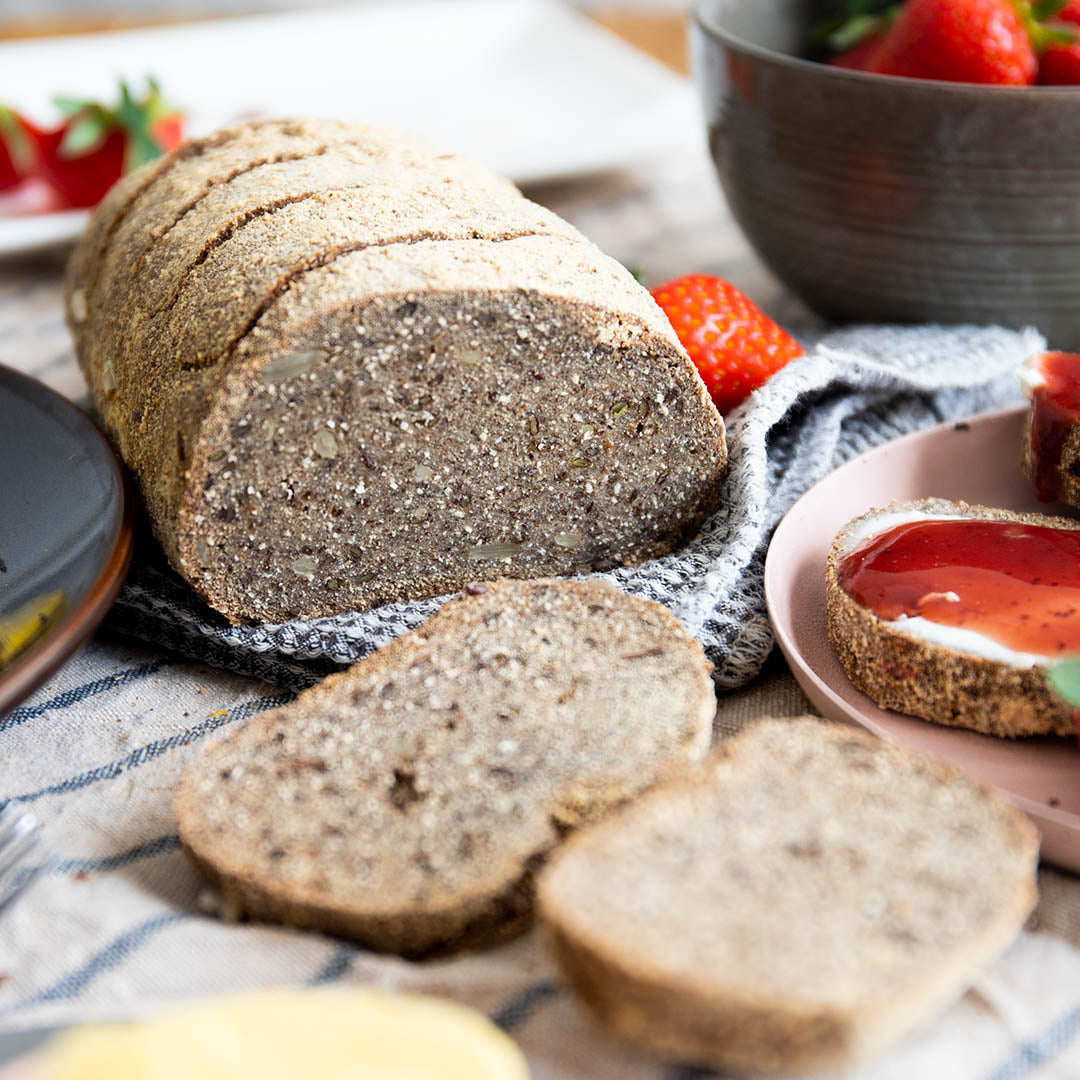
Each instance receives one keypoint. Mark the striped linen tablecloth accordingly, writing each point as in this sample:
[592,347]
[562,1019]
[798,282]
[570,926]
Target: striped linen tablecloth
[121,923]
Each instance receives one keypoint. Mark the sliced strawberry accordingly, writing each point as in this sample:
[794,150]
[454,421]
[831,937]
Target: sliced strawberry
[96,145]
[80,179]
[168,131]
[733,343]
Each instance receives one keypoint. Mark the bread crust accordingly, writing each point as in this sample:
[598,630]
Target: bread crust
[417,279]
[710,1015]
[931,681]
[493,899]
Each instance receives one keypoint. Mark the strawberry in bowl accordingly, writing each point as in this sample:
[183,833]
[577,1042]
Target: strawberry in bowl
[992,42]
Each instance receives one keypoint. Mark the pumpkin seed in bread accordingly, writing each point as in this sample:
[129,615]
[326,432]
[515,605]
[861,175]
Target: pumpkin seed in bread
[800,901]
[346,370]
[953,680]
[408,801]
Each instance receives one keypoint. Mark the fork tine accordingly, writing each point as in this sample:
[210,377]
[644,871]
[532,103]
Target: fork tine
[20,841]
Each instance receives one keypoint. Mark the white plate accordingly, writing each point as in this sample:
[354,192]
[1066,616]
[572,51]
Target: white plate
[532,89]
[977,462]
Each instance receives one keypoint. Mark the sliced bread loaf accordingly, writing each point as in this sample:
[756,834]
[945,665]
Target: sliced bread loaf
[953,674]
[347,369]
[800,901]
[408,801]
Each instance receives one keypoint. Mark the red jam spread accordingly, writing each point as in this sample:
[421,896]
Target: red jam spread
[1055,408]
[1017,584]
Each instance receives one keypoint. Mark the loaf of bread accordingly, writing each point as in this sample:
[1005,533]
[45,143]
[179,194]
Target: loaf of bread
[962,680]
[800,901]
[408,801]
[346,369]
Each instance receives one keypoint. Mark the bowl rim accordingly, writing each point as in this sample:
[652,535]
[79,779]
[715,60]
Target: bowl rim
[703,17]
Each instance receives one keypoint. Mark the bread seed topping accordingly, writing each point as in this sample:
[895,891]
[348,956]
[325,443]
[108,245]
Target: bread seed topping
[1015,584]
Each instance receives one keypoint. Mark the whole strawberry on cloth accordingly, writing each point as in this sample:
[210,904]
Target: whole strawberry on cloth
[734,345]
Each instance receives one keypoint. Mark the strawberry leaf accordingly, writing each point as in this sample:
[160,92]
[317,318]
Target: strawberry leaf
[1063,678]
[1046,9]
[13,136]
[852,21]
[854,30]
[84,135]
[135,118]
[69,106]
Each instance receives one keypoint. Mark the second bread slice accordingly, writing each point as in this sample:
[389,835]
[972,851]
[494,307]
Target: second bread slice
[801,901]
[408,801]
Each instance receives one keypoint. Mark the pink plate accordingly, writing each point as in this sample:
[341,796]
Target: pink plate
[976,461]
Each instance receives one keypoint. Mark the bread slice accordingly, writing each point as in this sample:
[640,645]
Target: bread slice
[347,369]
[408,801]
[800,901]
[1050,448]
[901,671]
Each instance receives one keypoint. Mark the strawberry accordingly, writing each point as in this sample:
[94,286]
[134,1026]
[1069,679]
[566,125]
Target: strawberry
[1059,64]
[733,343]
[857,57]
[975,41]
[95,145]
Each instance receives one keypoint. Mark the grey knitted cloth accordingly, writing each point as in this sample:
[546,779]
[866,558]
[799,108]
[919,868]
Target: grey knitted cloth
[855,389]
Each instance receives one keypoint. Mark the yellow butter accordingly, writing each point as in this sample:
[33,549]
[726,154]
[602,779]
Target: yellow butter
[334,1034]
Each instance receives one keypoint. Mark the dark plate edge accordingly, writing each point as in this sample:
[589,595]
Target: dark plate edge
[41,660]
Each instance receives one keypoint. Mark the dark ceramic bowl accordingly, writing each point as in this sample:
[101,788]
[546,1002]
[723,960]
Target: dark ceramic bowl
[887,199]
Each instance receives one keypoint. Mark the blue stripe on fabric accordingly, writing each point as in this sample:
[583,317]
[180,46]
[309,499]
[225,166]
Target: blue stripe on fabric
[1046,1046]
[155,749]
[104,863]
[81,693]
[158,846]
[525,1004]
[115,953]
[338,965]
